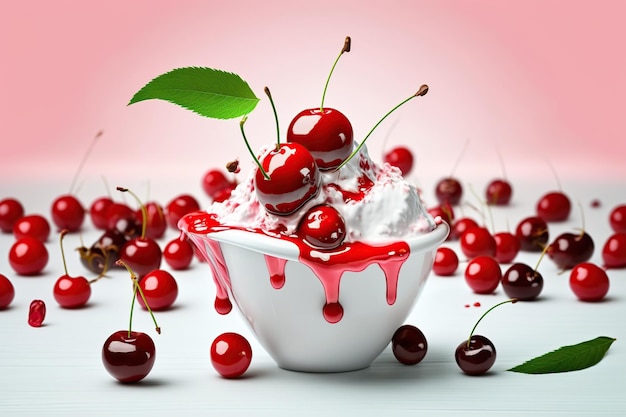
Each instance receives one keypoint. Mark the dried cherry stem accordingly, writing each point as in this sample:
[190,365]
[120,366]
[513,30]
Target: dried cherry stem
[144,211]
[258,163]
[421,92]
[469,339]
[346,48]
[138,289]
[85,156]
[269,95]
[543,253]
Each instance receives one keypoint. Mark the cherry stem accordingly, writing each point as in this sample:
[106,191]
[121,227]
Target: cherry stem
[421,92]
[137,288]
[269,95]
[458,159]
[243,133]
[346,48]
[582,217]
[484,204]
[543,253]
[144,211]
[556,177]
[502,167]
[61,235]
[85,156]
[469,339]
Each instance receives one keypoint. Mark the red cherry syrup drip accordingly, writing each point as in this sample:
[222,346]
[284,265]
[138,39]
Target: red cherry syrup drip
[364,185]
[327,265]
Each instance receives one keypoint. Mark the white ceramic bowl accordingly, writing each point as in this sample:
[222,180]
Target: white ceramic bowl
[288,321]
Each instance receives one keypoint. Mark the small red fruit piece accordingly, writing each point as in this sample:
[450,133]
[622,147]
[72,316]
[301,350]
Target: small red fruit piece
[216,185]
[7,292]
[446,262]
[68,213]
[28,256]
[409,345]
[294,179]
[10,211]
[178,253]
[33,225]
[589,282]
[323,227]
[98,211]
[532,234]
[400,157]
[478,241]
[617,219]
[554,207]
[36,313]
[178,207]
[231,355]
[614,251]
[160,290]
[507,247]
[128,356]
[498,192]
[449,190]
[483,274]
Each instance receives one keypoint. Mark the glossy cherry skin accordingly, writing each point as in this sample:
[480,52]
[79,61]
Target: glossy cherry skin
[72,292]
[68,213]
[323,227]
[178,207]
[294,179]
[33,225]
[7,292]
[446,262]
[554,207]
[157,224]
[215,184]
[36,313]
[10,211]
[498,192]
[160,289]
[477,358]
[617,219]
[326,134]
[522,282]
[449,190]
[178,253]
[589,282]
[231,355]
[98,212]
[28,256]
[483,274]
[142,255]
[532,234]
[507,247]
[477,241]
[400,157]
[614,251]
[460,226]
[409,345]
[122,218]
[570,249]
[128,358]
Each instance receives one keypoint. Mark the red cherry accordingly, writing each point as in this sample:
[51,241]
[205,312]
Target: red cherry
[499,192]
[36,313]
[28,256]
[532,234]
[617,219]
[400,157]
[522,282]
[10,211]
[477,357]
[570,249]
[160,290]
[614,251]
[215,185]
[323,227]
[7,292]
[70,292]
[142,255]
[483,274]
[128,356]
[445,211]
[178,253]
[326,133]
[33,225]
[98,211]
[446,262]
[231,355]
[589,282]
[554,207]
[120,217]
[478,241]
[449,190]
[68,213]
[409,345]
[178,207]
[507,247]
[460,226]
[294,179]
[155,229]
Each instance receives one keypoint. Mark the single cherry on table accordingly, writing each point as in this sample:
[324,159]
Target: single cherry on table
[446,262]
[70,292]
[28,256]
[231,355]
[178,253]
[409,345]
[483,274]
[614,251]
[589,282]
[499,192]
[532,233]
[554,206]
[33,225]
[160,290]
[478,241]
[7,292]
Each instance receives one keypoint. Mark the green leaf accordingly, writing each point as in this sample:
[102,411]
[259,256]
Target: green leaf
[568,358]
[206,91]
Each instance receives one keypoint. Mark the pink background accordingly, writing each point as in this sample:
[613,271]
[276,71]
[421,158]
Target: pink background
[542,83]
